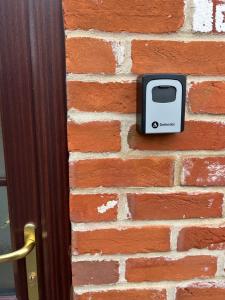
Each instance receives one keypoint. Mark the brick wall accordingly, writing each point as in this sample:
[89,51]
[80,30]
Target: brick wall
[147,212]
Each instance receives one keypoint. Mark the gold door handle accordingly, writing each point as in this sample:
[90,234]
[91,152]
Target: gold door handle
[28,251]
[29,243]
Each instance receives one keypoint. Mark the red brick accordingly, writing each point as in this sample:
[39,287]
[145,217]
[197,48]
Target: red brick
[196,58]
[102,97]
[203,133]
[175,206]
[85,208]
[209,171]
[201,237]
[89,55]
[207,97]
[148,294]
[161,269]
[152,171]
[144,16]
[95,272]
[210,292]
[94,136]
[131,240]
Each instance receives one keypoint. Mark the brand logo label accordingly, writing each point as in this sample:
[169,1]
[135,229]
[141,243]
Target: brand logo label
[167,124]
[155,124]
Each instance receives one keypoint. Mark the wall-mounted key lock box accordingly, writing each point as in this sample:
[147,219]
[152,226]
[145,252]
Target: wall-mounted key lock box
[161,103]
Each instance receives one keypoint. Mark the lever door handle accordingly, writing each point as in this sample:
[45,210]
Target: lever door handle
[28,251]
[29,243]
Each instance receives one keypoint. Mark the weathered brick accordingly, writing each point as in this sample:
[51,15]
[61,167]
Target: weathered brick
[131,240]
[95,272]
[89,55]
[94,136]
[209,171]
[143,16]
[161,269]
[92,55]
[93,208]
[175,206]
[203,133]
[152,171]
[201,237]
[207,291]
[147,294]
[196,58]
[207,97]
[102,97]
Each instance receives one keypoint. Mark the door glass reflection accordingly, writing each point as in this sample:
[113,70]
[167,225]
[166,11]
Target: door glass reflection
[2,163]
[6,271]
[7,286]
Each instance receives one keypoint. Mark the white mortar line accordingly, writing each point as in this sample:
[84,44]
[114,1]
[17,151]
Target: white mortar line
[126,36]
[122,270]
[83,117]
[126,64]
[174,255]
[125,127]
[205,117]
[123,213]
[138,154]
[175,230]
[188,13]
[169,190]
[145,285]
[121,78]
[220,264]
[171,293]
[132,224]
[223,207]
[177,170]
[102,78]
[197,79]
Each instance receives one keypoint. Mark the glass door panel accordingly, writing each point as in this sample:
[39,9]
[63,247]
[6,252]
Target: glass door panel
[2,161]
[7,285]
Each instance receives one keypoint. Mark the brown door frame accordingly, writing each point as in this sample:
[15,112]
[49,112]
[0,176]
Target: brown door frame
[33,111]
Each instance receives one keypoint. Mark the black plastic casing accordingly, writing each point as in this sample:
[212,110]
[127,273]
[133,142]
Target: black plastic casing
[142,82]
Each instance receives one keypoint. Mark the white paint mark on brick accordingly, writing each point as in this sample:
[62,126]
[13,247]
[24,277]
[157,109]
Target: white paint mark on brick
[220,18]
[203,16]
[210,203]
[210,284]
[119,52]
[188,165]
[98,2]
[216,172]
[199,180]
[219,246]
[206,269]
[105,207]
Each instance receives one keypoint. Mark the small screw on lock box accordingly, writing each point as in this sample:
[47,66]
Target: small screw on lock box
[161,103]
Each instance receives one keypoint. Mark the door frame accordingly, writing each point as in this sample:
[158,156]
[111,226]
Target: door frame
[33,112]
